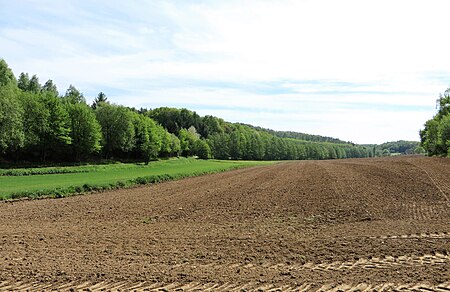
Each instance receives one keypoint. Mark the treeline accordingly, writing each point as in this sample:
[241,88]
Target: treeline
[37,123]
[299,136]
[239,141]
[435,137]
[400,147]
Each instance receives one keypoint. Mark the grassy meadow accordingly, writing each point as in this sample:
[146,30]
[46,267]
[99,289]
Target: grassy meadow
[64,181]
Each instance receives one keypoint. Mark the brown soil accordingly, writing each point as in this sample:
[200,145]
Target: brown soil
[330,225]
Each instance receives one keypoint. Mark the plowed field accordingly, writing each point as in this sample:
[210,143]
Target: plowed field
[367,224]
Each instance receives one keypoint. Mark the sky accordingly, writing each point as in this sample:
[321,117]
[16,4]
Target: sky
[359,70]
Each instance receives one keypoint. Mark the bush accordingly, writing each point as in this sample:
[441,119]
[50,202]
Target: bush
[39,171]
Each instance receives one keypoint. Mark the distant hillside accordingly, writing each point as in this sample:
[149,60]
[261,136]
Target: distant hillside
[242,141]
[299,136]
[400,147]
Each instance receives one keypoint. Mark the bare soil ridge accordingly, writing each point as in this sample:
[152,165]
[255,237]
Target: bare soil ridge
[359,224]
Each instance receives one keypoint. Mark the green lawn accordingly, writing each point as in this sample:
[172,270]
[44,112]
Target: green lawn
[97,177]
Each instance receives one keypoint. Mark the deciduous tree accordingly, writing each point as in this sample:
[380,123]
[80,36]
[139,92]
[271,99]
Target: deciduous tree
[85,131]
[11,120]
[117,128]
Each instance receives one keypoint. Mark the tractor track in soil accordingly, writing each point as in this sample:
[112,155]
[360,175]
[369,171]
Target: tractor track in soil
[197,286]
[357,224]
[440,183]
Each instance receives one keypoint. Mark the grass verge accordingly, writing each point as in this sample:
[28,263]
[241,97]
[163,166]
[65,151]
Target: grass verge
[66,181]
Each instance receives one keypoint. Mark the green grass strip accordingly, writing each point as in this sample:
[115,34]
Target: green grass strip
[83,179]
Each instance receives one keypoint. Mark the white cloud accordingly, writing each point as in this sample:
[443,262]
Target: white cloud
[294,65]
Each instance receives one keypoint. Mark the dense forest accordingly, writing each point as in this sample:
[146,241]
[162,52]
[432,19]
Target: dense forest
[37,123]
[435,137]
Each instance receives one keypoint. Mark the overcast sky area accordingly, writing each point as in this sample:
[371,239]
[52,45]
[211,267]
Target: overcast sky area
[361,71]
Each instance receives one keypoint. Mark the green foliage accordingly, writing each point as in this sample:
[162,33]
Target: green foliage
[41,171]
[239,141]
[46,124]
[246,143]
[117,128]
[166,143]
[34,85]
[34,119]
[219,144]
[298,136]
[435,137]
[394,148]
[419,150]
[11,112]
[7,77]
[175,145]
[444,104]
[147,138]
[237,144]
[202,149]
[444,134]
[74,96]
[101,97]
[187,141]
[37,124]
[85,131]
[23,82]
[210,125]
[175,119]
[57,130]
[50,87]
[40,125]
[11,126]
